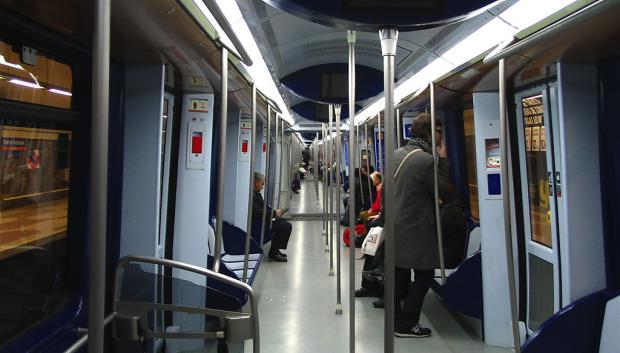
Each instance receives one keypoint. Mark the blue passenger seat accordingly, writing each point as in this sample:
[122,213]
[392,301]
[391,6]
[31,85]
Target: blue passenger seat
[233,250]
[462,290]
[589,325]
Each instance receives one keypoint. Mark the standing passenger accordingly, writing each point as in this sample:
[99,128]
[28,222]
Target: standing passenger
[280,228]
[414,229]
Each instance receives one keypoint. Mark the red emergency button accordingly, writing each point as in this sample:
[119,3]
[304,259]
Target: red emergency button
[196,142]
[244,146]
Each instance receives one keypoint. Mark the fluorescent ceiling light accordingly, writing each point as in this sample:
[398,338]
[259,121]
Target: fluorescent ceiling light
[259,71]
[526,13]
[25,83]
[519,16]
[6,63]
[59,91]
[220,32]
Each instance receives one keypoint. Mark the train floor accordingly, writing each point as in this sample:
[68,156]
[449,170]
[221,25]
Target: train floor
[297,301]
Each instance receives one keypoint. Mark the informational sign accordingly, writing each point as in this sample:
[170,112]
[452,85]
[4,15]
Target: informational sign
[198,105]
[245,138]
[345,143]
[407,125]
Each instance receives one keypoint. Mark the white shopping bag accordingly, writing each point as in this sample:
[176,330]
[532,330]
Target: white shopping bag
[372,241]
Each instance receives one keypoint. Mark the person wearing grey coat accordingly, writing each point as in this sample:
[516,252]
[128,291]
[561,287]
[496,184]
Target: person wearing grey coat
[415,232]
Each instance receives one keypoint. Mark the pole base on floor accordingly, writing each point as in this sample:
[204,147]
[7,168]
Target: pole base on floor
[326,248]
[331,273]
[339,309]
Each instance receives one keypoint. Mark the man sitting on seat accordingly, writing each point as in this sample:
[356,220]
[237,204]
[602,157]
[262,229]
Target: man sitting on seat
[280,228]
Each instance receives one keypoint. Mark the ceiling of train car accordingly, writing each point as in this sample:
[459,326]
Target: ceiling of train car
[290,44]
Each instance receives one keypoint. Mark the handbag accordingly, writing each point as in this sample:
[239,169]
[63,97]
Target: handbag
[372,241]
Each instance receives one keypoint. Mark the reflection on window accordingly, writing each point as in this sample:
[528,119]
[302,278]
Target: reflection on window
[470,157]
[536,162]
[47,82]
[34,188]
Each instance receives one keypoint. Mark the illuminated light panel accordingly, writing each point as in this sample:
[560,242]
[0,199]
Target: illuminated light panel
[259,71]
[59,91]
[519,16]
[6,63]
[25,83]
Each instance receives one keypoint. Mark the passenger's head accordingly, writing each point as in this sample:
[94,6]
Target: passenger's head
[422,128]
[259,181]
[376,178]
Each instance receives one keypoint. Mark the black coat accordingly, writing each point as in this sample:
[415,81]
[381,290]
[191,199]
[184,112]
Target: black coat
[415,230]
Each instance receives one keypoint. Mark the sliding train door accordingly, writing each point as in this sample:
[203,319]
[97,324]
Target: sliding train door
[537,121]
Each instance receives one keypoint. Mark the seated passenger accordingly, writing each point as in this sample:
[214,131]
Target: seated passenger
[280,228]
[376,205]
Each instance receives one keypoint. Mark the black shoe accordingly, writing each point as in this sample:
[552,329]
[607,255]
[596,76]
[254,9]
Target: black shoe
[363,292]
[415,331]
[379,304]
[277,257]
[282,254]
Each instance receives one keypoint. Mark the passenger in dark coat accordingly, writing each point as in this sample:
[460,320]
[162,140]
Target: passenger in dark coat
[280,228]
[414,229]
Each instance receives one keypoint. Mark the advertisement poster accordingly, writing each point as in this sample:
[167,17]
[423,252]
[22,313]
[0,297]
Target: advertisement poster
[407,124]
[542,144]
[536,138]
[34,159]
[528,139]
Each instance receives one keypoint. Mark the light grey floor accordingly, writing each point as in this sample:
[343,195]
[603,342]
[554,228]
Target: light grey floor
[297,302]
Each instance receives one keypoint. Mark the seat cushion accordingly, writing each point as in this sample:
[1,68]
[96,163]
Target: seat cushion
[610,338]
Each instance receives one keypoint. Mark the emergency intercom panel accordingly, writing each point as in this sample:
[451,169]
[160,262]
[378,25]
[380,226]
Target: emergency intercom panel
[196,143]
[245,139]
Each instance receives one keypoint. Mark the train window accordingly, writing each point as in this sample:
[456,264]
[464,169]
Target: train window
[46,82]
[34,189]
[470,158]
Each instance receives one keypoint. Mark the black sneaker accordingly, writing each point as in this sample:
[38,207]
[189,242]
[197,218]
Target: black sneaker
[277,257]
[282,254]
[416,331]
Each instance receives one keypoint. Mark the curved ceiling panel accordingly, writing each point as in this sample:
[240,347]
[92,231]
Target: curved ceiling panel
[329,83]
[320,112]
[370,15]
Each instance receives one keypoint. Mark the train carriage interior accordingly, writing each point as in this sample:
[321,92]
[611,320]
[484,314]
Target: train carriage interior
[193,176]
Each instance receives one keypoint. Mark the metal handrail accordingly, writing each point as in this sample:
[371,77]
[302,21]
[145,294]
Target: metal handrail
[84,338]
[226,27]
[195,269]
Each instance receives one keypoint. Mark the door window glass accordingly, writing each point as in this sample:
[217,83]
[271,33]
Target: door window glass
[470,157]
[536,167]
[34,189]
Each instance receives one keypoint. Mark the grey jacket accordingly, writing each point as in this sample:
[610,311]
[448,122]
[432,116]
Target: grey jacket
[415,230]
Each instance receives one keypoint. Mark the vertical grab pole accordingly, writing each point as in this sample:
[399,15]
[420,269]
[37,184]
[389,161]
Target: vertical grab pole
[99,175]
[337,110]
[367,161]
[504,145]
[315,162]
[389,37]
[251,188]
[352,162]
[222,163]
[267,148]
[436,188]
[325,193]
[331,191]
[381,144]
[276,187]
[399,131]
[281,163]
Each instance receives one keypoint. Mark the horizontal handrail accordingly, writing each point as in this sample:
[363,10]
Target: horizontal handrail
[82,341]
[195,269]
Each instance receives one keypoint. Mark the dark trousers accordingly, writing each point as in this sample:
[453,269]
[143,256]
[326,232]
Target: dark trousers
[374,287]
[409,314]
[281,230]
